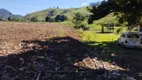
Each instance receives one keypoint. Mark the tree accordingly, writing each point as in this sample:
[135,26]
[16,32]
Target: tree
[34,19]
[60,18]
[10,17]
[79,17]
[48,19]
[78,22]
[129,11]
[52,13]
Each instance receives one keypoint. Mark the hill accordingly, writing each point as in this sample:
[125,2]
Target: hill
[70,12]
[5,13]
[52,12]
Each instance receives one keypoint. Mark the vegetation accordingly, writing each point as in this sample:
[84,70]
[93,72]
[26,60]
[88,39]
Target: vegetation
[55,51]
[10,17]
[48,19]
[53,12]
[79,21]
[60,18]
[97,37]
[34,19]
[126,11]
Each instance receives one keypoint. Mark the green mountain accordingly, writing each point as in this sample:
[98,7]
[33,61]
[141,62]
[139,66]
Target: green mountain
[52,12]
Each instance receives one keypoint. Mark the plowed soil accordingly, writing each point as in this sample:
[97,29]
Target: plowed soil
[13,33]
[46,51]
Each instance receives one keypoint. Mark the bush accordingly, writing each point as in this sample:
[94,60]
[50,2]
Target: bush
[34,19]
[60,18]
[78,22]
[49,19]
[16,19]
[79,17]
[9,18]
[80,25]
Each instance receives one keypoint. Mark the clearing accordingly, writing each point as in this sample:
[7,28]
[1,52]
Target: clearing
[47,51]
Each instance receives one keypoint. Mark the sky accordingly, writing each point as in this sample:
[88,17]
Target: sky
[24,7]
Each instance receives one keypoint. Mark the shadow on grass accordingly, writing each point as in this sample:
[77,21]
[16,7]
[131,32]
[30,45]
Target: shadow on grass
[127,58]
[55,59]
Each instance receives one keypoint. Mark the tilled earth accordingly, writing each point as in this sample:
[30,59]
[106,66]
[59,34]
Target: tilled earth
[13,33]
[43,51]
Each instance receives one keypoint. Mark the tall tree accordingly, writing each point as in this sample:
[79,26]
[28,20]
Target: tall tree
[10,17]
[129,11]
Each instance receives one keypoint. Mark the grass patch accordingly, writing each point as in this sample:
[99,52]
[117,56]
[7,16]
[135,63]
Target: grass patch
[98,37]
[103,40]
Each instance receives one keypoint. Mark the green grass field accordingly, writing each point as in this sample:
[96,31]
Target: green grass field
[103,40]
[99,39]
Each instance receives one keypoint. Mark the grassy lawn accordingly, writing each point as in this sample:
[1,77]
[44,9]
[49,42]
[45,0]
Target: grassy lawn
[99,39]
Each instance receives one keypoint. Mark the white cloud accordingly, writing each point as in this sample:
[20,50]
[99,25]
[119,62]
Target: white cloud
[84,4]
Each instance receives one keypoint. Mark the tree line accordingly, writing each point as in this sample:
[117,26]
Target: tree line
[58,18]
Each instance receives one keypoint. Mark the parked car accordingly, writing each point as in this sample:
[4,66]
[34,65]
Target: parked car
[131,40]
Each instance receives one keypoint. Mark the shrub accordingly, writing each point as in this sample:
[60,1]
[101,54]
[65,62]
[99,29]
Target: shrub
[79,17]
[34,19]
[60,18]
[80,25]
[49,19]
[79,22]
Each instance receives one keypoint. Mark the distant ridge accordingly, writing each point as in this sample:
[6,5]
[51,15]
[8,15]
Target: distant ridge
[52,12]
[5,14]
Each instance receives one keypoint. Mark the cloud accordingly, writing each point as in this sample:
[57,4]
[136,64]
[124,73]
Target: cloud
[84,4]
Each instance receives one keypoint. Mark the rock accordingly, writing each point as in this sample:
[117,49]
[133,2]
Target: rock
[89,63]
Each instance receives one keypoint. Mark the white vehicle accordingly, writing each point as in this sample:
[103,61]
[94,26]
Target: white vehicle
[131,40]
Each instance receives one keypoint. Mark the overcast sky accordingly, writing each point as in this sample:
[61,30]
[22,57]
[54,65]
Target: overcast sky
[24,7]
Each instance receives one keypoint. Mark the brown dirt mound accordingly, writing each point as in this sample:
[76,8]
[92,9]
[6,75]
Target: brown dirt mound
[13,33]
